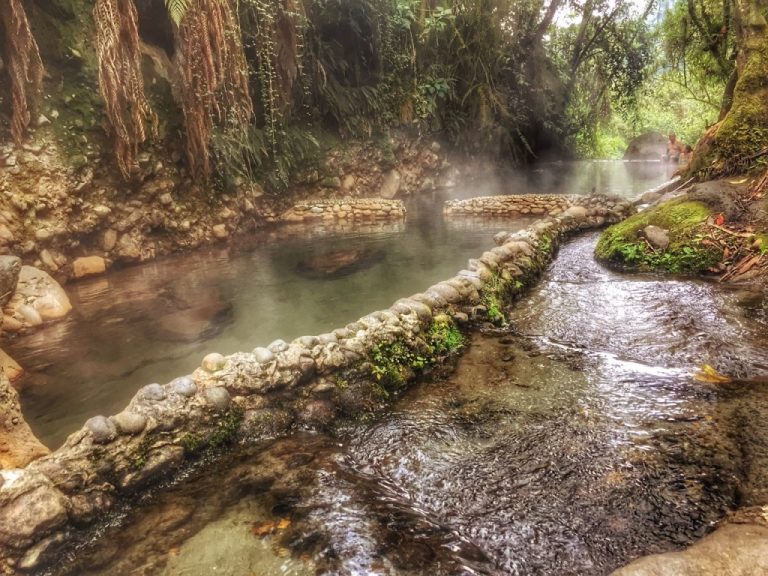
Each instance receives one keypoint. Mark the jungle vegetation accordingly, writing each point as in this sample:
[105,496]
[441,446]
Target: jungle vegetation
[255,81]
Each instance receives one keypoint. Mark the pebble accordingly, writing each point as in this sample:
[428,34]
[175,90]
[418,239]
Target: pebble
[129,422]
[213,362]
[154,392]
[263,355]
[278,346]
[218,397]
[102,429]
[183,386]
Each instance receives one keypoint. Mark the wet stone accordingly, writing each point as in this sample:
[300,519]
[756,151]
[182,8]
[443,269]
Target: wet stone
[278,346]
[263,355]
[218,397]
[183,386]
[129,422]
[153,392]
[32,514]
[102,429]
[213,362]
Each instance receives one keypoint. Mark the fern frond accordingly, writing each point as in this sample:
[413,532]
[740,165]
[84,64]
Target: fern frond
[177,9]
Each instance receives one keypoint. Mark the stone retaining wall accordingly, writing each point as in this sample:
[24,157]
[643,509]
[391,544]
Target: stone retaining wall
[254,395]
[530,205]
[345,209]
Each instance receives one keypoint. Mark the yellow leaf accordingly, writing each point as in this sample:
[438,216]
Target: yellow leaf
[737,181]
[284,523]
[709,374]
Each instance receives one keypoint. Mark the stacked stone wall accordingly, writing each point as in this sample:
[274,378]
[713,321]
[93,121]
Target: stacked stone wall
[252,396]
[345,209]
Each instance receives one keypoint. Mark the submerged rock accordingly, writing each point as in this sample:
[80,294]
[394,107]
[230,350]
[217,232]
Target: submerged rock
[733,550]
[338,263]
[41,293]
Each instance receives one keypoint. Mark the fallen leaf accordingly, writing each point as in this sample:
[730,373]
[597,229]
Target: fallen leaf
[284,523]
[737,181]
[263,529]
[708,374]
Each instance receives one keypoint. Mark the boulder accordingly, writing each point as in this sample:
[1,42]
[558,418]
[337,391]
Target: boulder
[10,266]
[18,445]
[88,266]
[648,146]
[41,293]
[391,184]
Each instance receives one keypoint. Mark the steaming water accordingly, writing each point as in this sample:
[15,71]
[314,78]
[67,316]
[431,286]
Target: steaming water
[154,322]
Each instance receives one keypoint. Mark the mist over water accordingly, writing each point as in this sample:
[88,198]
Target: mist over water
[154,322]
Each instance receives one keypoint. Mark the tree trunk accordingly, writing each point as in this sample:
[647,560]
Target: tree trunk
[743,131]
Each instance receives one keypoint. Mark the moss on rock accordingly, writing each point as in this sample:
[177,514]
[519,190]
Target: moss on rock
[623,244]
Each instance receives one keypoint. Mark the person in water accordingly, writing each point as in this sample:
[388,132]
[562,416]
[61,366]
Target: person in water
[674,149]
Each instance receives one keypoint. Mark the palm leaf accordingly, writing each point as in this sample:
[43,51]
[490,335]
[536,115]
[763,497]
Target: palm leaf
[177,9]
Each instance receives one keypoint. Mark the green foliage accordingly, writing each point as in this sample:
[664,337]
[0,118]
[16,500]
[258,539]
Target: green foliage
[391,364]
[493,295]
[444,337]
[394,363]
[249,154]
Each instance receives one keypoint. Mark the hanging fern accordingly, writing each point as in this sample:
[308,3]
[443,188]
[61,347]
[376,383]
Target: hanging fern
[177,9]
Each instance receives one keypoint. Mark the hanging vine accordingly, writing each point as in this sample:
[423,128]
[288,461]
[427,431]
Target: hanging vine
[214,77]
[120,78]
[25,68]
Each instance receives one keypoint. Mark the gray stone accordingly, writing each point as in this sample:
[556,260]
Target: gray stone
[263,355]
[658,237]
[10,266]
[109,239]
[31,515]
[308,341]
[153,392]
[183,386]
[218,397]
[500,237]
[129,422]
[102,429]
[278,346]
[213,362]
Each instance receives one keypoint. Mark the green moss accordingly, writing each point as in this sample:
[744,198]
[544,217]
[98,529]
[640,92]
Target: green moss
[444,337]
[224,433]
[393,364]
[623,243]
[139,457]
